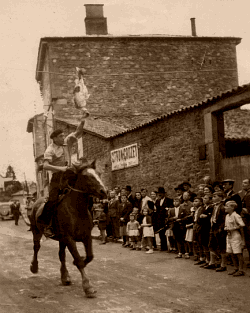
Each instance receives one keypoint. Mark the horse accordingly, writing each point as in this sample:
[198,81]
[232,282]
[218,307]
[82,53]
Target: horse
[72,221]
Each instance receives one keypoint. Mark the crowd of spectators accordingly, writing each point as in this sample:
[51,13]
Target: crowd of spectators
[211,224]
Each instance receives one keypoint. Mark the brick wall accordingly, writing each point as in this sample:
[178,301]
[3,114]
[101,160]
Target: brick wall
[97,148]
[166,74]
[168,153]
[94,148]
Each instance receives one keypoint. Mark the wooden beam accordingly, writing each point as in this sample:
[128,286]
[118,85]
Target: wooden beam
[232,102]
[211,122]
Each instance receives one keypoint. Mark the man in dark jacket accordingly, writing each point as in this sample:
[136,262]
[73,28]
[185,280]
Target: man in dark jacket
[129,195]
[15,210]
[231,195]
[162,204]
[245,213]
[124,209]
[113,215]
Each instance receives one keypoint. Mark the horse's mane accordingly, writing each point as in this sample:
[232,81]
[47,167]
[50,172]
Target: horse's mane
[70,176]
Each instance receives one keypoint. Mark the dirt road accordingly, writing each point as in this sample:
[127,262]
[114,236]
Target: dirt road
[126,281]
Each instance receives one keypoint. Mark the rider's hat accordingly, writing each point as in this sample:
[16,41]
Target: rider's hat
[55,133]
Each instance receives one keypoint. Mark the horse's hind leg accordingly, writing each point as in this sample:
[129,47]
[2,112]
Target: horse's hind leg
[65,278]
[36,240]
[80,264]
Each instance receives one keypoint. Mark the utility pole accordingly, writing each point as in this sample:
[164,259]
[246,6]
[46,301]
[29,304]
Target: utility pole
[26,184]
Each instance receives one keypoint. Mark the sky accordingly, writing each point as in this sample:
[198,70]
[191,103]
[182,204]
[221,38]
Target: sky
[24,22]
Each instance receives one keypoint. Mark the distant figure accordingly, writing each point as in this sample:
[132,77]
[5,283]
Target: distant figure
[29,205]
[15,211]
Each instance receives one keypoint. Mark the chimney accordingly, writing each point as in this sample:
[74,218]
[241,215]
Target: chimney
[193,27]
[95,23]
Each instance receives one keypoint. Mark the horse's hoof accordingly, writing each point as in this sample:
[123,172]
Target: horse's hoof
[66,282]
[90,292]
[34,268]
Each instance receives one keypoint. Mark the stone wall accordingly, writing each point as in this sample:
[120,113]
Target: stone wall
[98,148]
[168,153]
[165,74]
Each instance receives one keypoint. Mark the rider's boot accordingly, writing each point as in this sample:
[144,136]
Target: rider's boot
[48,231]
[47,218]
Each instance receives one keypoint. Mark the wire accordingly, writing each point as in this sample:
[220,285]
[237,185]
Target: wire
[124,74]
[119,74]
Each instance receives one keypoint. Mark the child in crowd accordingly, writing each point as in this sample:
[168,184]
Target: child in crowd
[176,218]
[124,209]
[198,249]
[205,223]
[133,231]
[217,240]
[96,208]
[101,220]
[138,218]
[170,220]
[189,233]
[235,237]
[148,231]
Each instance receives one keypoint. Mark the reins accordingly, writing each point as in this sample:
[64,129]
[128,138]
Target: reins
[77,190]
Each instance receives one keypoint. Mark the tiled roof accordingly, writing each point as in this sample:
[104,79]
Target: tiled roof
[96,126]
[237,137]
[209,101]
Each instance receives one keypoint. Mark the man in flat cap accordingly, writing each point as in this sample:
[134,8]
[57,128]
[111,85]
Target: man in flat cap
[57,158]
[231,195]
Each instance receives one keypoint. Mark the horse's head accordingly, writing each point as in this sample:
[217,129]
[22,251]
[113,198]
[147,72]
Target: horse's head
[87,180]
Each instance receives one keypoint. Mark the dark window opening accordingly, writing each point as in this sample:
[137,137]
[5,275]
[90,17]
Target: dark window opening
[237,147]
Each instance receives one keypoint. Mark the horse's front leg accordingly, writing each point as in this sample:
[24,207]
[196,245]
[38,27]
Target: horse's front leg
[36,241]
[80,264]
[87,241]
[65,278]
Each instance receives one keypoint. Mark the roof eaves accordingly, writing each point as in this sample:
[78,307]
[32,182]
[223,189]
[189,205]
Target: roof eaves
[40,59]
[138,37]
[86,130]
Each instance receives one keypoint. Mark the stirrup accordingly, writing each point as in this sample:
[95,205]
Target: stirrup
[48,232]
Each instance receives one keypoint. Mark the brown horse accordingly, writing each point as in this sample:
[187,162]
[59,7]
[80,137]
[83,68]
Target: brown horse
[72,221]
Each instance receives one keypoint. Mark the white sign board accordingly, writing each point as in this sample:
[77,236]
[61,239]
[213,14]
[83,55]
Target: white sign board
[124,157]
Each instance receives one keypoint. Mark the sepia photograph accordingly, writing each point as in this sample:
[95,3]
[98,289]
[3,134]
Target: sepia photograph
[125,156]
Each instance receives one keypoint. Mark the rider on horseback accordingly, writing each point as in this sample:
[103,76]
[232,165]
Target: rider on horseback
[57,158]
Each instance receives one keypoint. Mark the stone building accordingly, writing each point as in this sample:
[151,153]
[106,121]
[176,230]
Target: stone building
[135,85]
[132,79]
[185,144]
